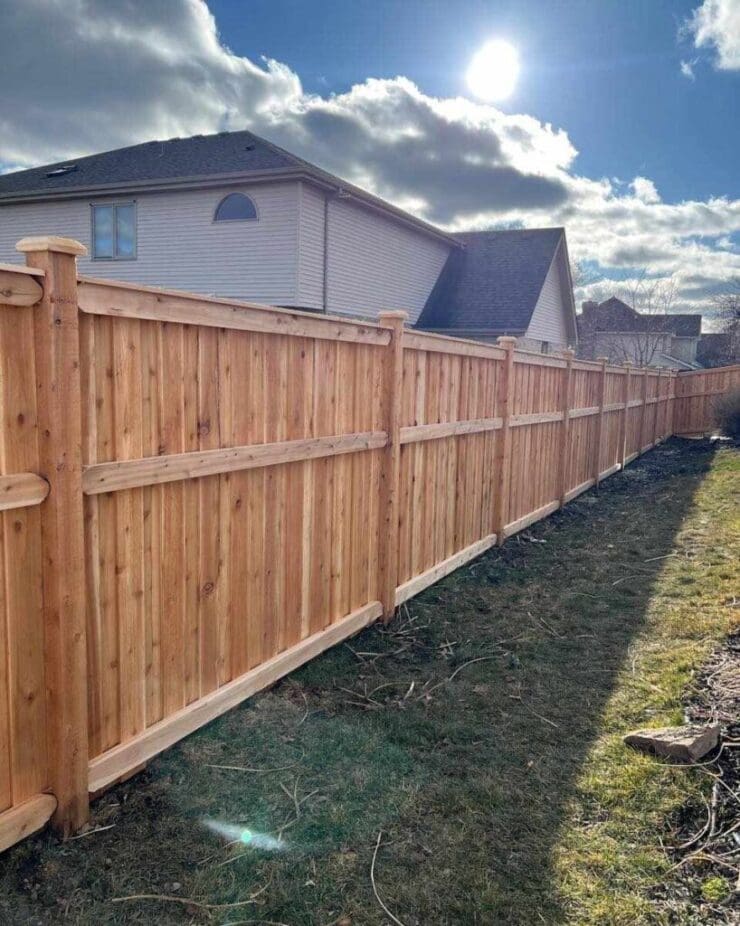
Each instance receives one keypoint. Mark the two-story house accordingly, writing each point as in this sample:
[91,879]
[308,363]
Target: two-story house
[234,215]
[615,330]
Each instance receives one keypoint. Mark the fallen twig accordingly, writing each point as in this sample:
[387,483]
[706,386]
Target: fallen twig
[100,829]
[470,662]
[539,716]
[256,771]
[207,908]
[375,888]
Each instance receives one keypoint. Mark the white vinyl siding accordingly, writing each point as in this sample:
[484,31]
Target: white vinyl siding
[178,244]
[683,348]
[311,248]
[548,322]
[376,263]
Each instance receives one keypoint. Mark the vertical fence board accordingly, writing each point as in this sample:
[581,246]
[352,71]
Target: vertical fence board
[21,530]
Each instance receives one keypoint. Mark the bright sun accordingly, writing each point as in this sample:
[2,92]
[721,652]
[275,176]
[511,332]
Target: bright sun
[494,70]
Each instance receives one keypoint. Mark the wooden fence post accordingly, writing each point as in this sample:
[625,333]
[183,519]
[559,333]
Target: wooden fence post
[625,414]
[503,447]
[565,403]
[391,469]
[643,410]
[600,421]
[57,348]
[659,410]
[672,416]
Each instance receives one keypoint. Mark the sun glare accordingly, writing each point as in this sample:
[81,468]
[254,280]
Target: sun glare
[494,70]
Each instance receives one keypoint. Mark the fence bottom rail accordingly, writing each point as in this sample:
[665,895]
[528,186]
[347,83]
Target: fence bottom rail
[26,818]
[112,765]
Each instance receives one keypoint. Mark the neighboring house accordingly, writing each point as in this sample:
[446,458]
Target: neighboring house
[515,282]
[233,215]
[615,330]
[721,349]
[230,215]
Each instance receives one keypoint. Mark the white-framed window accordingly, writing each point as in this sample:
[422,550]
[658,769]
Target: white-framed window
[545,347]
[235,207]
[113,231]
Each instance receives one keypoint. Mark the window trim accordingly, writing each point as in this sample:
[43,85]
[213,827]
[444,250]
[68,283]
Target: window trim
[115,204]
[254,218]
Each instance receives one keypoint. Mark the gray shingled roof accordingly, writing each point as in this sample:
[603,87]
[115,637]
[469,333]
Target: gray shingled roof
[226,157]
[493,283]
[615,315]
[229,152]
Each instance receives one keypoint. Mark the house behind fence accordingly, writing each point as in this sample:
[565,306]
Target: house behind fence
[234,215]
[615,330]
[200,495]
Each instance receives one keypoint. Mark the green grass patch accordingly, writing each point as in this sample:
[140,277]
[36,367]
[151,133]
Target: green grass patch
[504,794]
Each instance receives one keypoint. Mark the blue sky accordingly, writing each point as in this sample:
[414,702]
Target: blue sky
[624,126]
[608,71]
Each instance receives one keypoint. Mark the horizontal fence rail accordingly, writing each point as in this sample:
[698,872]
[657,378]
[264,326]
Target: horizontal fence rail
[211,493]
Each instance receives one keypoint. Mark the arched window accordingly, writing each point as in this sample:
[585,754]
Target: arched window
[236,207]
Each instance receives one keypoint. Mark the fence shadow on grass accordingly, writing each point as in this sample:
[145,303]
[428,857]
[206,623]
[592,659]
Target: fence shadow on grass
[506,741]
[469,777]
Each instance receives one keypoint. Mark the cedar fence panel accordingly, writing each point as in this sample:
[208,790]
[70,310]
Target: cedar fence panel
[696,393]
[245,487]
[24,766]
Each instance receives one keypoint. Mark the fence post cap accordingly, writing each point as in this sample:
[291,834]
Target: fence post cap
[51,243]
[569,353]
[602,360]
[506,341]
[627,363]
[390,314]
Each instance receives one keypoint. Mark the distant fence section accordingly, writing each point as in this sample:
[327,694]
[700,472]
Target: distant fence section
[696,394]
[200,495]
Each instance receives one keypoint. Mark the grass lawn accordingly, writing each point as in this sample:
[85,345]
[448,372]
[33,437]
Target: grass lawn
[479,734]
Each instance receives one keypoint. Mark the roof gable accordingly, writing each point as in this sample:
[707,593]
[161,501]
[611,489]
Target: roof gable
[494,282]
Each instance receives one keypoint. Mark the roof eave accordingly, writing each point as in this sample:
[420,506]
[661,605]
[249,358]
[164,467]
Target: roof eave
[319,179]
[477,332]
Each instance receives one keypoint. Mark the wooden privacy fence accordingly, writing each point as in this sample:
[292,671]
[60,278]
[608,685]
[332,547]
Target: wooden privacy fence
[200,495]
[696,394]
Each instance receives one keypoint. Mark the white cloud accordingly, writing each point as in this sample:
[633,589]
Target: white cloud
[105,75]
[644,190]
[716,24]
[687,69]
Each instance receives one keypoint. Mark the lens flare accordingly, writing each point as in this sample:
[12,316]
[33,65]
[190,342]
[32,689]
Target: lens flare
[247,837]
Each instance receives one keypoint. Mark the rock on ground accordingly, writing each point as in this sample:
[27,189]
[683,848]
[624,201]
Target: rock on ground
[687,743]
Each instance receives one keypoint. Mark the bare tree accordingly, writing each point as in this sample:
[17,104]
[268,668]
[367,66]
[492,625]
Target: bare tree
[582,275]
[727,304]
[652,298]
[727,311]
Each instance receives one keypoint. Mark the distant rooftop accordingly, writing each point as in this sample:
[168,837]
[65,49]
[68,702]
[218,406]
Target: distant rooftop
[615,315]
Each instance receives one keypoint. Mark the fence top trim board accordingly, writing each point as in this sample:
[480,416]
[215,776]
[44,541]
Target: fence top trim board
[130,300]
[544,360]
[729,369]
[441,343]
[21,268]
